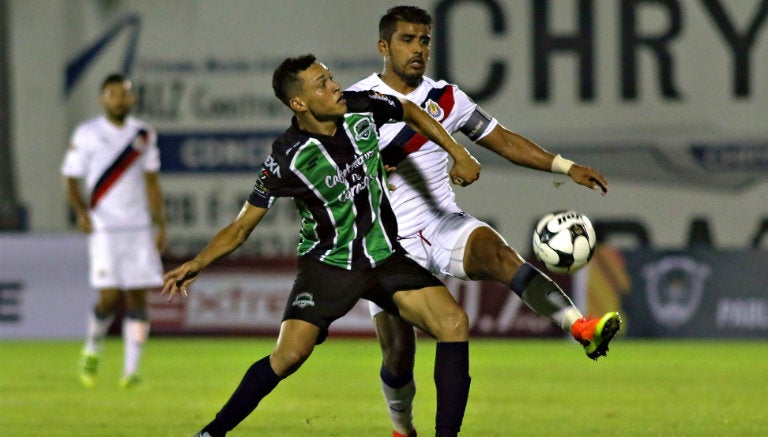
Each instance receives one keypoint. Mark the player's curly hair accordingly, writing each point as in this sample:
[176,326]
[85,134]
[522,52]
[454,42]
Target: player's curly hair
[409,14]
[285,79]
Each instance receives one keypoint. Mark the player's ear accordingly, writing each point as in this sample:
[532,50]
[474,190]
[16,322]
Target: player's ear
[383,47]
[297,104]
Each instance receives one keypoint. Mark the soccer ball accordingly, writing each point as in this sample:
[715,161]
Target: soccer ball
[564,241]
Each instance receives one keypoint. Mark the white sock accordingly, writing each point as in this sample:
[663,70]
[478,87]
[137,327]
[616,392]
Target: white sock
[95,333]
[400,403]
[135,333]
[567,316]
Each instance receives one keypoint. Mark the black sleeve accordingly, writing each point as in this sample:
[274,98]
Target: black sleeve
[262,195]
[385,108]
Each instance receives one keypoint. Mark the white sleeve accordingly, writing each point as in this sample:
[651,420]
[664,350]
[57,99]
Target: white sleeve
[152,154]
[74,164]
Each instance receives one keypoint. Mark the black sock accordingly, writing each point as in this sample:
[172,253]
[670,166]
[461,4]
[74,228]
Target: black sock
[258,382]
[99,315]
[137,314]
[395,381]
[539,292]
[452,382]
[522,277]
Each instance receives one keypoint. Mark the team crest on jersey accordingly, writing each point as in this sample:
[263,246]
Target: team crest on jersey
[363,130]
[434,109]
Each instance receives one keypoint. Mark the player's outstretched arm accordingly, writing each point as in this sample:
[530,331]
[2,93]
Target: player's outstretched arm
[225,241]
[465,168]
[524,152]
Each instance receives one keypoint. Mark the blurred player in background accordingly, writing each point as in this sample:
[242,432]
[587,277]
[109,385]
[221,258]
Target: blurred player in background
[433,229]
[329,162]
[117,157]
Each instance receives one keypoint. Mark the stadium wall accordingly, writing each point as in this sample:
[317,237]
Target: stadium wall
[668,99]
[699,293]
[44,293]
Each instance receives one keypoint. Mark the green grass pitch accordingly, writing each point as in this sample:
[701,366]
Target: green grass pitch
[519,388]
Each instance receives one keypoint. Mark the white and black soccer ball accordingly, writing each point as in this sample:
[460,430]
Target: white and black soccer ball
[564,241]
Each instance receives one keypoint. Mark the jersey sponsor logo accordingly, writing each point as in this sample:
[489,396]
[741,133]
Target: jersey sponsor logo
[303,300]
[350,175]
[347,171]
[271,165]
[382,97]
[260,186]
[293,147]
[360,186]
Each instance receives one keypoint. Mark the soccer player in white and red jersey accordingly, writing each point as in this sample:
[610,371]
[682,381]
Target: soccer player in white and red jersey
[433,229]
[116,156]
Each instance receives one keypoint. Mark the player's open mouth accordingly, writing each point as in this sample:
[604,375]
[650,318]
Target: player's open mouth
[416,63]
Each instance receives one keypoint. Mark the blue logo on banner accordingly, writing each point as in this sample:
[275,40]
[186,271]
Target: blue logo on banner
[737,157]
[215,152]
[77,67]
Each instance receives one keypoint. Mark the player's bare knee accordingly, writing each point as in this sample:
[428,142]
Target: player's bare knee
[492,258]
[453,325]
[285,362]
[509,262]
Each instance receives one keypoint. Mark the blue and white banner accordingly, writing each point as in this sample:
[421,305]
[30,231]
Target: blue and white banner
[215,152]
[682,294]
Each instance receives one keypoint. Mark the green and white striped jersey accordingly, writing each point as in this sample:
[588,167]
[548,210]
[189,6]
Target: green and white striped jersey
[338,184]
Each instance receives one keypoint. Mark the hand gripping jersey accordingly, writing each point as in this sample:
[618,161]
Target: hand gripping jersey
[112,160]
[338,184]
[422,185]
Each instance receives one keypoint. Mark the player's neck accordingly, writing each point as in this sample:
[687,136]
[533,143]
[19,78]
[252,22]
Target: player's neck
[312,125]
[397,83]
[116,121]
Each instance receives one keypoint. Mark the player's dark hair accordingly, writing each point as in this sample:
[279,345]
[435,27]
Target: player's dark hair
[409,14]
[286,79]
[112,79]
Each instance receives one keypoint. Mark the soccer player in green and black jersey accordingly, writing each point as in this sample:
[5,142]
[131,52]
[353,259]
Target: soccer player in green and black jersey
[329,162]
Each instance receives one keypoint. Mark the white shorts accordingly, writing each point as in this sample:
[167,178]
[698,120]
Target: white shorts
[126,260]
[439,247]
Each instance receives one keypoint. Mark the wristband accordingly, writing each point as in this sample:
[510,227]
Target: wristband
[561,165]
